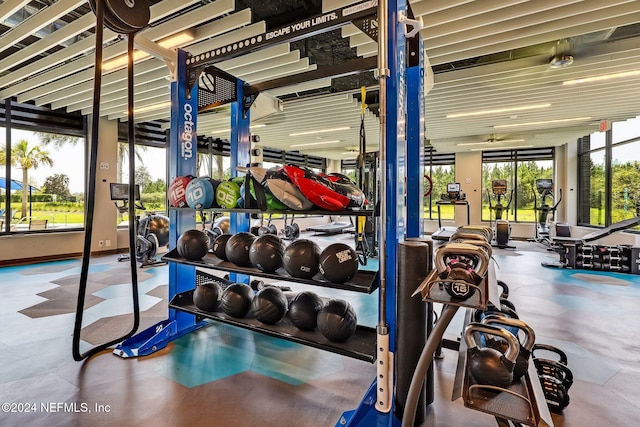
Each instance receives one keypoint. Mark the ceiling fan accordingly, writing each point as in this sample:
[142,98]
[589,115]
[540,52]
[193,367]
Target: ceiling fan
[492,139]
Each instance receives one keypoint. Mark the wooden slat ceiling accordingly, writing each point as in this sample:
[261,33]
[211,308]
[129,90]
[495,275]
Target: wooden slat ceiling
[485,54]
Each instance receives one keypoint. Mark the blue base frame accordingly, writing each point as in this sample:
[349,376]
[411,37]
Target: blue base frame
[153,339]
[366,415]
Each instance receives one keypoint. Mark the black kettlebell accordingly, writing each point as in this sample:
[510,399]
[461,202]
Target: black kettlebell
[489,366]
[460,279]
[555,393]
[522,362]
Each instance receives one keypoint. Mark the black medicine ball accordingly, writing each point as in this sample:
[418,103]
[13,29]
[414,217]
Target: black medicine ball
[237,248]
[338,263]
[236,300]
[266,253]
[219,245]
[304,309]
[301,258]
[207,296]
[269,305]
[337,320]
[193,244]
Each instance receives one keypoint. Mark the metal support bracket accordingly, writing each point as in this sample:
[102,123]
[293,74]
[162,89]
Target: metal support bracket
[384,373]
[170,57]
[415,24]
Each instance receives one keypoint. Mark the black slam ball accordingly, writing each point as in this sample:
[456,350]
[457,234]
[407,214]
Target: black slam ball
[219,245]
[337,320]
[338,263]
[207,295]
[237,248]
[266,253]
[304,309]
[236,300]
[269,305]
[193,244]
[301,258]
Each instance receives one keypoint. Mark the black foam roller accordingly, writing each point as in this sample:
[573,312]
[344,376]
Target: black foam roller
[414,259]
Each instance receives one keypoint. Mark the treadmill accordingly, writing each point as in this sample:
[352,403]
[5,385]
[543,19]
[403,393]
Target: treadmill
[453,196]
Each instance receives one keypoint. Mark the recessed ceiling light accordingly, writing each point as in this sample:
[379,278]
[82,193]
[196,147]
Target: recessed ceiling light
[544,122]
[498,110]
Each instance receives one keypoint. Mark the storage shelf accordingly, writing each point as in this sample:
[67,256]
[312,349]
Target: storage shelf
[354,212]
[361,345]
[364,281]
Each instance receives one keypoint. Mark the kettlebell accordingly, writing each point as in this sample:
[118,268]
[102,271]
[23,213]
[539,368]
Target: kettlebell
[489,366]
[459,282]
[522,362]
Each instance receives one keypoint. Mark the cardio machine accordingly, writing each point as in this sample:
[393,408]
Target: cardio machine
[546,211]
[502,228]
[152,231]
[453,196]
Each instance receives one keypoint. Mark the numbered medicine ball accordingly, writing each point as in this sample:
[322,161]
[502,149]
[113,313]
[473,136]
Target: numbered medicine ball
[227,194]
[193,244]
[177,191]
[237,248]
[207,296]
[338,263]
[200,193]
[304,309]
[301,258]
[266,253]
[236,300]
[269,305]
[337,320]
[219,246]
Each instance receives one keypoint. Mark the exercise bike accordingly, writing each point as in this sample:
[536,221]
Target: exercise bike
[152,231]
[502,228]
[546,211]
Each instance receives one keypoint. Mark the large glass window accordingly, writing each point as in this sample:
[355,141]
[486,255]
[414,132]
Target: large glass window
[520,169]
[47,192]
[609,165]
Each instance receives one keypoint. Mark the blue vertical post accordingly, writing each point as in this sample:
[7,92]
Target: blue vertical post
[415,140]
[240,151]
[396,103]
[182,154]
[393,97]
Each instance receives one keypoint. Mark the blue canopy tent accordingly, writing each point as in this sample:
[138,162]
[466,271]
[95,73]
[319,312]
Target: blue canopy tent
[14,186]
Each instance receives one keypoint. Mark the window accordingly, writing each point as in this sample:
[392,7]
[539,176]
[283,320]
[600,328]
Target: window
[520,169]
[44,189]
[440,167]
[151,172]
[609,165]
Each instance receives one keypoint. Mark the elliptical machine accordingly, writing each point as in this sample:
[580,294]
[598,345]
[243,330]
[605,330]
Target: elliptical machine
[152,231]
[502,228]
[546,211]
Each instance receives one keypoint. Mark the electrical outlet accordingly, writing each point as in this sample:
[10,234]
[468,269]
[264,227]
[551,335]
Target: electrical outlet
[104,166]
[100,243]
[107,243]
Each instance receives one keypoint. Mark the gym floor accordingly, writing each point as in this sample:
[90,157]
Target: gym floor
[225,376]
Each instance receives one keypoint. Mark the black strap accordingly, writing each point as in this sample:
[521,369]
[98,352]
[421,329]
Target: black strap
[91,186]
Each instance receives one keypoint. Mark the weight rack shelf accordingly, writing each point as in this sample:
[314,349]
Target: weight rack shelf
[361,345]
[355,212]
[523,402]
[364,281]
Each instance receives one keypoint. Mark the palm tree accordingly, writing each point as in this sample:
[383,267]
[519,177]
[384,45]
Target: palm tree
[25,157]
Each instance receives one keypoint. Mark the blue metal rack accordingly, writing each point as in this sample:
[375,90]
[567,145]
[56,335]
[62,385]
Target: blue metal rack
[402,158]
